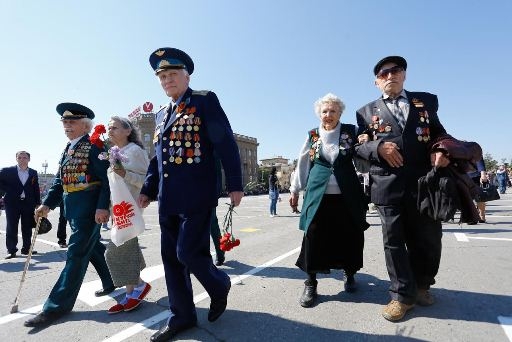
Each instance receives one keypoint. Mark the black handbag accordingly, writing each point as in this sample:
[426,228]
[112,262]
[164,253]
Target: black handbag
[487,192]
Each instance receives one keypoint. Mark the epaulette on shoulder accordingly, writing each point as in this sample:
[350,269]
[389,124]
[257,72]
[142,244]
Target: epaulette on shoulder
[200,92]
[163,108]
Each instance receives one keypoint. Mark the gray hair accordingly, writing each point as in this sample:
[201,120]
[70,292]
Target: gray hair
[134,136]
[328,98]
[88,124]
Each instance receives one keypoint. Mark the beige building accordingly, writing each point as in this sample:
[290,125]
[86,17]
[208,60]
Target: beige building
[284,170]
[144,117]
[248,147]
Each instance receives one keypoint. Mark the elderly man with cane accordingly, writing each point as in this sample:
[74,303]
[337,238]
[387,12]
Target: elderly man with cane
[83,186]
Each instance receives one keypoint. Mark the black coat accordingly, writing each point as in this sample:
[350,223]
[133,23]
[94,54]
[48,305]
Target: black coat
[389,184]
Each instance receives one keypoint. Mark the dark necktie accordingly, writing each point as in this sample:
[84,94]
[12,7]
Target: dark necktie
[170,115]
[397,112]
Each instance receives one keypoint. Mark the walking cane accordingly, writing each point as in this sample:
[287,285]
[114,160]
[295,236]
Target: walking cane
[27,262]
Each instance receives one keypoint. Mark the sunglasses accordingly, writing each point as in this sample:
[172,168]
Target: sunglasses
[393,71]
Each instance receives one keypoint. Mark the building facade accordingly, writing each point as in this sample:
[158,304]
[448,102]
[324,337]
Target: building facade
[284,170]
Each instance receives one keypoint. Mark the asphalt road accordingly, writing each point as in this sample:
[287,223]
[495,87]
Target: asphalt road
[473,290]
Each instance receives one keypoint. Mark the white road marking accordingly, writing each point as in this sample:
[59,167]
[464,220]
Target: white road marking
[20,314]
[501,216]
[506,324]
[461,237]
[464,238]
[145,324]
[488,238]
[54,244]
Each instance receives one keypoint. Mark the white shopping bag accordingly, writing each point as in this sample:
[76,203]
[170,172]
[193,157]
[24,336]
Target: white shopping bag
[127,221]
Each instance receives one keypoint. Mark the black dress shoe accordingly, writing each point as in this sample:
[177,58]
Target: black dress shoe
[309,295]
[218,306]
[10,255]
[481,221]
[26,252]
[63,244]
[42,318]
[350,283]
[219,261]
[167,332]
[104,292]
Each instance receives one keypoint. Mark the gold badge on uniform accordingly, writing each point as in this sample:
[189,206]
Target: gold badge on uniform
[417,103]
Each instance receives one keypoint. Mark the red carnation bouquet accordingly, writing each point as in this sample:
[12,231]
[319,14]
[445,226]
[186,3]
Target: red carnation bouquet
[113,154]
[227,240]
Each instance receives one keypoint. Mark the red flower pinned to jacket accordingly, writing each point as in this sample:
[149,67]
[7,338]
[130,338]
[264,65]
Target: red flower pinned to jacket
[227,240]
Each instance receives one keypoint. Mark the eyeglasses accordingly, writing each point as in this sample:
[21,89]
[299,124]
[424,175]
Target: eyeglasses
[393,71]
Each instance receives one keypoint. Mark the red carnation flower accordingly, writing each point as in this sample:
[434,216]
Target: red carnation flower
[227,240]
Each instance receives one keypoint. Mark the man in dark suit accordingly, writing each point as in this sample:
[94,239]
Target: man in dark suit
[395,134]
[21,186]
[83,186]
[183,179]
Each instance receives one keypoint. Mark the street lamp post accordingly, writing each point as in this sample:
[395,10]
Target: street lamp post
[45,166]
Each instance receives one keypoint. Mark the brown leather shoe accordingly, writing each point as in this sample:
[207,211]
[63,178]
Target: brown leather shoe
[395,310]
[424,297]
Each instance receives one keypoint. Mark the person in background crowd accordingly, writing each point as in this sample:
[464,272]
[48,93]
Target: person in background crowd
[21,187]
[395,132]
[479,176]
[86,202]
[333,215]
[502,177]
[190,134]
[293,205]
[61,228]
[273,191]
[220,255]
[126,261]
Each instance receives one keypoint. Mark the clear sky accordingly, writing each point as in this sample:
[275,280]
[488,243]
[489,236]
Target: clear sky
[267,60]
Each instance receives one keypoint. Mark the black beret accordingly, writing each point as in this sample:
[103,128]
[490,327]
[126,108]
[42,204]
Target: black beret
[398,60]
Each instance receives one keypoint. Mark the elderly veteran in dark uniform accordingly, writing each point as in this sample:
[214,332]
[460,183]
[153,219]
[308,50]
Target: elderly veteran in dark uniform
[83,186]
[183,179]
[396,132]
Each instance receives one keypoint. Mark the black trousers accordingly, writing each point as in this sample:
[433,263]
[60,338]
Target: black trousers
[412,248]
[23,211]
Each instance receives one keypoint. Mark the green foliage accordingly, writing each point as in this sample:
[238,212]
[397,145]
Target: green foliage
[490,162]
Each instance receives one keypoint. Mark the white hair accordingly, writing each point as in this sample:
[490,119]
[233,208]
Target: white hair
[88,123]
[328,98]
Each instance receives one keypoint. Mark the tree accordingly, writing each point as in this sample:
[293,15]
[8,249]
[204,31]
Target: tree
[490,162]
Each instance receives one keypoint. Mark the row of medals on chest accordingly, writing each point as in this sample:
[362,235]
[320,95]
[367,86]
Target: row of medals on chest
[422,131]
[79,159]
[186,128]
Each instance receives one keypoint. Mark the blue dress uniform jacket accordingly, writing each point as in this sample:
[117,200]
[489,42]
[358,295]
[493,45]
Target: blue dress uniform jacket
[15,208]
[422,126]
[184,163]
[82,184]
